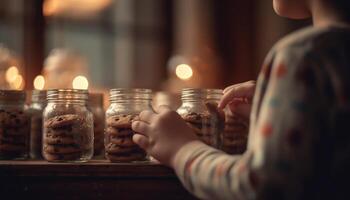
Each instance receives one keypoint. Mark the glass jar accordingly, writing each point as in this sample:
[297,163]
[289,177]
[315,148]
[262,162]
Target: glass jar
[14,125]
[199,110]
[68,130]
[35,112]
[95,105]
[235,136]
[126,105]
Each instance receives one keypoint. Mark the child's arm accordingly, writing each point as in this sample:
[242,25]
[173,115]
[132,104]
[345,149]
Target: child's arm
[279,158]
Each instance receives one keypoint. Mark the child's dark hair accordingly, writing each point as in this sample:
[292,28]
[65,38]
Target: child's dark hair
[343,6]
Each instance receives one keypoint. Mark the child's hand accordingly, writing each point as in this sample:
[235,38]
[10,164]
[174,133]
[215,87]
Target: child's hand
[162,134]
[239,98]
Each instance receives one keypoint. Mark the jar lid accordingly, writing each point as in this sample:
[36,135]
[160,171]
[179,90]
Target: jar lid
[13,95]
[39,95]
[200,93]
[123,94]
[73,95]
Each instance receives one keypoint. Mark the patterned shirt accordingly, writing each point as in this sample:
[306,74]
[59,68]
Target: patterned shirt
[299,137]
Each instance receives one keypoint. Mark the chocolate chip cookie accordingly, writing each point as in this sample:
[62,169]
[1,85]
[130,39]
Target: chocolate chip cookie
[67,138]
[14,134]
[207,127]
[119,146]
[235,134]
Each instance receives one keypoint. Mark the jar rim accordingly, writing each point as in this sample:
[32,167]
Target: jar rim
[67,94]
[201,93]
[13,95]
[39,95]
[123,94]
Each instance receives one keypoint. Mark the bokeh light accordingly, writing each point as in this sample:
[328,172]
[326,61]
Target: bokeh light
[184,71]
[80,82]
[39,82]
[11,74]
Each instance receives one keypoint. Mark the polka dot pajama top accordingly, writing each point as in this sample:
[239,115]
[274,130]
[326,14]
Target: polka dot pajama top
[299,137]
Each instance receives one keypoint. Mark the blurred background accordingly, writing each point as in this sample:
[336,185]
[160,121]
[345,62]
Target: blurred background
[164,45]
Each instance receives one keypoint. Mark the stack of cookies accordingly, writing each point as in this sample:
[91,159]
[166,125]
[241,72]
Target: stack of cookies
[235,134]
[67,138]
[205,126]
[14,134]
[119,146]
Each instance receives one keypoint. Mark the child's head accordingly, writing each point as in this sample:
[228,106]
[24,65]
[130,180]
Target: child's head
[301,9]
[295,9]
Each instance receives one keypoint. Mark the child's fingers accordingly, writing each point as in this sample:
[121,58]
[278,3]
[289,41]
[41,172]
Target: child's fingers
[141,140]
[241,109]
[230,87]
[140,127]
[229,96]
[147,116]
[243,91]
[163,108]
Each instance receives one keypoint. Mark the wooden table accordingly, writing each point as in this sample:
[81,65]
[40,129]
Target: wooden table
[92,180]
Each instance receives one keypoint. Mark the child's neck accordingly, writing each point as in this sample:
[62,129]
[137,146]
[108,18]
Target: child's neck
[323,15]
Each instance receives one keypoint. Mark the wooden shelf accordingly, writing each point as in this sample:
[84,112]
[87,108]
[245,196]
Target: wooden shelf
[89,169]
[91,180]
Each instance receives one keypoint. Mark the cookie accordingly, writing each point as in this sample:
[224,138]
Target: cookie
[13,139]
[7,147]
[60,140]
[62,121]
[195,128]
[235,136]
[121,121]
[111,131]
[61,149]
[114,148]
[17,131]
[64,132]
[234,149]
[122,141]
[236,128]
[193,118]
[215,112]
[13,118]
[235,120]
[126,158]
[61,157]
[230,143]
[209,140]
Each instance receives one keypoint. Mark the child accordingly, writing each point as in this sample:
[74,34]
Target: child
[299,140]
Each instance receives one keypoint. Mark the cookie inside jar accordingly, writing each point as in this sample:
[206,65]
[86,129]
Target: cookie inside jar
[119,145]
[14,125]
[199,110]
[125,106]
[235,134]
[67,127]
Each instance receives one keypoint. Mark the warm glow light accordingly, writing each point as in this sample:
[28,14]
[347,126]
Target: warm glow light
[80,7]
[184,71]
[11,74]
[18,83]
[39,82]
[80,82]
[50,7]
